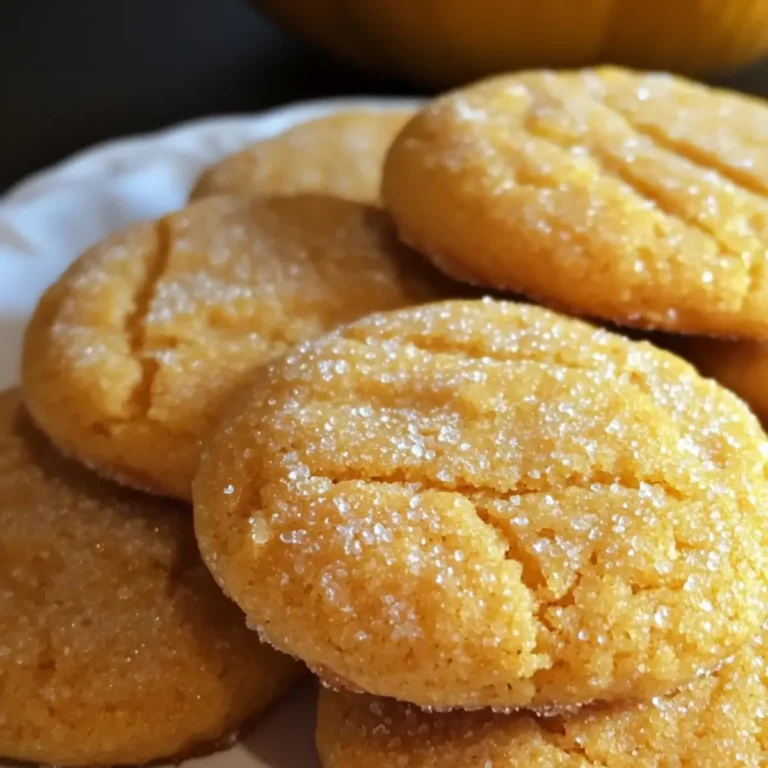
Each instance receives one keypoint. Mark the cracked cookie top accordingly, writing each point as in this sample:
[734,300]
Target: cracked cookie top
[116,645]
[636,198]
[481,503]
[132,353]
[340,154]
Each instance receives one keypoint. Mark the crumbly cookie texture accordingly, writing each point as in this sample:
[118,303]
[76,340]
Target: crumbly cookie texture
[636,198]
[340,154]
[131,355]
[742,366]
[116,646]
[718,720]
[481,503]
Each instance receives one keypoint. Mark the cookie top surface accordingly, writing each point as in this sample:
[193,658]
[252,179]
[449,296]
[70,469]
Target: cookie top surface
[131,354]
[481,503]
[718,720]
[340,155]
[636,198]
[116,646]
[742,366]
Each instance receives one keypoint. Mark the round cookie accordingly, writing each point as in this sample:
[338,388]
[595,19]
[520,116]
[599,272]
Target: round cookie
[481,503]
[718,720]
[132,353]
[116,646]
[636,198]
[742,366]
[340,155]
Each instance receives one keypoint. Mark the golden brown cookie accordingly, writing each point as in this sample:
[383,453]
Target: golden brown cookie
[132,353]
[116,646]
[637,198]
[338,155]
[719,721]
[488,504]
[742,366]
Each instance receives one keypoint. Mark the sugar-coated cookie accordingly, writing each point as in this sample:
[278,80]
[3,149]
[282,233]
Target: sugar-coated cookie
[742,366]
[636,198]
[132,353]
[116,646]
[480,503]
[718,721]
[340,154]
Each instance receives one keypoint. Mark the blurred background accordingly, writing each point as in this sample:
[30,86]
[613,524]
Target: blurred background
[76,72]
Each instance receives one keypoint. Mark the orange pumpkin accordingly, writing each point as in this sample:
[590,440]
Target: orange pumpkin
[446,42]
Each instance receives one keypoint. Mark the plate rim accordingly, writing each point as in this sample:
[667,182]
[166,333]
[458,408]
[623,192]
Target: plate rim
[264,124]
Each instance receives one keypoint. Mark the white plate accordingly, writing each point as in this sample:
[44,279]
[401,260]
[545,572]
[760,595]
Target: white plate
[47,220]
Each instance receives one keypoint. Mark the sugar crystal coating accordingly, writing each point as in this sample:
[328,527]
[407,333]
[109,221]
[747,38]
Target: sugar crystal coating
[116,646]
[634,197]
[340,154]
[718,721]
[481,503]
[132,353]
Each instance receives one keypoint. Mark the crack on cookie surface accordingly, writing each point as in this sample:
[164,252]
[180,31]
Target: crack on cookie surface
[706,161]
[755,272]
[755,259]
[140,398]
[531,573]
[418,483]
[608,166]
[438,345]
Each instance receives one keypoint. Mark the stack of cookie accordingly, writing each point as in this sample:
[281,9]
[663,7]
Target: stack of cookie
[116,645]
[639,201]
[501,536]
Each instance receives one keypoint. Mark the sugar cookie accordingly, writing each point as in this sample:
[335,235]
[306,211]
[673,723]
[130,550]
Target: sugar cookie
[636,198]
[481,503]
[339,155]
[132,353]
[719,720]
[116,646]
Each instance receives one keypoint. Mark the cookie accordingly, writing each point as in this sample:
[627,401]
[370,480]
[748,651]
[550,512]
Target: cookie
[719,720]
[116,646]
[132,353]
[338,155]
[742,366]
[636,198]
[480,503]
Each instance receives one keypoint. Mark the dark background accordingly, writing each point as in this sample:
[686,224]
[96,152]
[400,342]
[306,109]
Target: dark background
[74,72]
